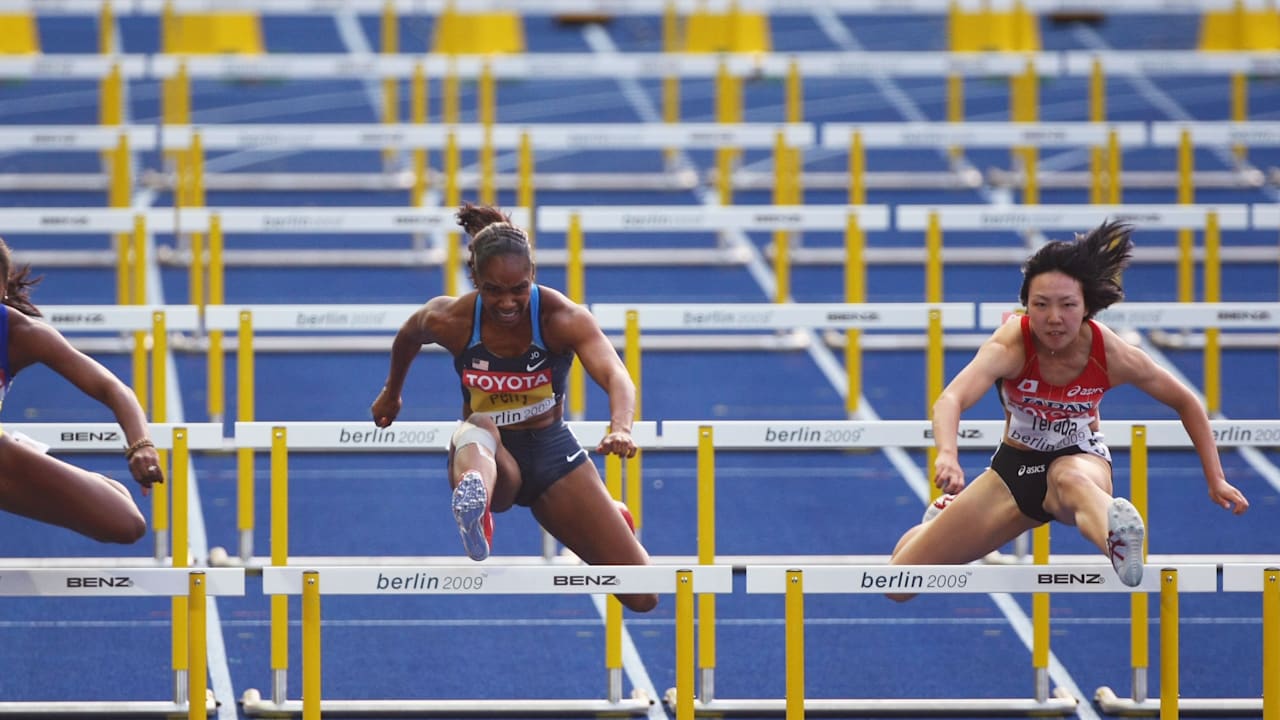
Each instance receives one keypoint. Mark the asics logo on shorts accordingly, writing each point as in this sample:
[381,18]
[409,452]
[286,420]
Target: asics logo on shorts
[1028,469]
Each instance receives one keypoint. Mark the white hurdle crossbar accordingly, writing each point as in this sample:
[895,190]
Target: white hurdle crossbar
[795,582]
[281,438]
[189,653]
[484,579]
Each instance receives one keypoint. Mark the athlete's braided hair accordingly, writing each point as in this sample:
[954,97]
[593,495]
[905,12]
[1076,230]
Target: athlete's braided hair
[492,234]
[1095,259]
[17,283]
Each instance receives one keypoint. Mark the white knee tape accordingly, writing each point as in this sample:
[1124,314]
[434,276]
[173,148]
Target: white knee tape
[468,434]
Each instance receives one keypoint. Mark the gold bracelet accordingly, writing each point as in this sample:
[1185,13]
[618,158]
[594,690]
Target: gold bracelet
[134,448]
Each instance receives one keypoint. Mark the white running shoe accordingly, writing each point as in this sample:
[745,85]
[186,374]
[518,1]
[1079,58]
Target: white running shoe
[1125,532]
[471,510]
[937,506]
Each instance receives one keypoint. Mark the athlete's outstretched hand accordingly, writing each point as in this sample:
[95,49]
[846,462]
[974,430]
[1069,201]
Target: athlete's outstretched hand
[617,443]
[385,408]
[947,473]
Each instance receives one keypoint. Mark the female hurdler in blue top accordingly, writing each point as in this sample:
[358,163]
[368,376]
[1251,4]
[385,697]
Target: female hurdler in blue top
[42,487]
[513,342]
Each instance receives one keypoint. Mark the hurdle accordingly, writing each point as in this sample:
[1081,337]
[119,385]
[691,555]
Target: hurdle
[1211,219]
[483,579]
[706,438]
[281,438]
[795,582]
[782,220]
[189,660]
[1259,578]
[855,139]
[789,323]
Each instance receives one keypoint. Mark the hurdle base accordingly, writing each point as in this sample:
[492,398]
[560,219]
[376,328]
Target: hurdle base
[1113,704]
[254,705]
[102,708]
[1063,703]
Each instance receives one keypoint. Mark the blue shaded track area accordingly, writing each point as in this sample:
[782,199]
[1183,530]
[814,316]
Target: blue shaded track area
[768,502]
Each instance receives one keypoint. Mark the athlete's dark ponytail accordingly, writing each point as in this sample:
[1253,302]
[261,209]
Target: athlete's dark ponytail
[1095,259]
[18,283]
[492,234]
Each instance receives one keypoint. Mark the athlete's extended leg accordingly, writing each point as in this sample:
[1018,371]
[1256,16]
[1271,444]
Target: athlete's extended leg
[979,520]
[484,480]
[1079,493]
[578,511]
[49,490]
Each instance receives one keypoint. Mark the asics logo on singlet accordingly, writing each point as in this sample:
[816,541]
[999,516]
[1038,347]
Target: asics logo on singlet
[1076,391]
[1029,469]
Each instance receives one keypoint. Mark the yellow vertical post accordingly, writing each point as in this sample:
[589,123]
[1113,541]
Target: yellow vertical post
[855,291]
[245,413]
[118,196]
[631,358]
[670,83]
[160,492]
[575,286]
[1271,644]
[390,85]
[1113,167]
[1097,114]
[106,30]
[1139,607]
[111,108]
[178,603]
[524,190]
[1026,109]
[279,546]
[1040,604]
[1212,294]
[311,645]
[193,196]
[934,371]
[794,620]
[419,101]
[1240,109]
[1169,650]
[955,105]
[452,198]
[197,646]
[857,170]
[706,550]
[217,361]
[613,608]
[138,296]
[1186,241]
[933,260]
[726,112]
[684,646]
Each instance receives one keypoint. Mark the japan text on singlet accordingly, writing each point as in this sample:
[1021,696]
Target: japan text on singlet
[1048,417]
[512,390]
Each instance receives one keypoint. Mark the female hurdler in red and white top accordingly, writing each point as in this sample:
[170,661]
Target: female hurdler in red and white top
[1051,368]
